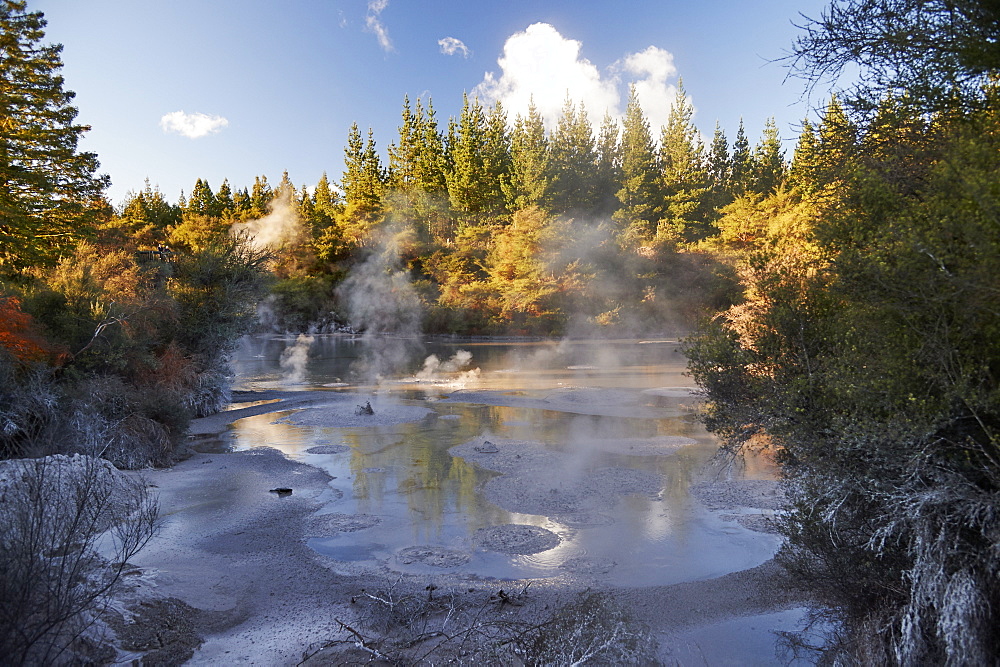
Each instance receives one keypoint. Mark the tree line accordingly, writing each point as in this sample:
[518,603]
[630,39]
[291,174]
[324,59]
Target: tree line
[505,226]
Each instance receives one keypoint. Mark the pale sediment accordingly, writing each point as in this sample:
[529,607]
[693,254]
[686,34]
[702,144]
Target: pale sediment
[228,546]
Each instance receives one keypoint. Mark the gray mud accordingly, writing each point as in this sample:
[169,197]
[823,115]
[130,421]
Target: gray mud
[537,480]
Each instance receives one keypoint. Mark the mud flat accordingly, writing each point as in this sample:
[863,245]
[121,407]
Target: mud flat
[234,556]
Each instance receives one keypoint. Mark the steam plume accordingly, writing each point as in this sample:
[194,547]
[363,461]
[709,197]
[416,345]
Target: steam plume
[280,227]
[293,360]
[381,302]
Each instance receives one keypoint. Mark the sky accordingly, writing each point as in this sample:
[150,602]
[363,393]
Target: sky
[176,90]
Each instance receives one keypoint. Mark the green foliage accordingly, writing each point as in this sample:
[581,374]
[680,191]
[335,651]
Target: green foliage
[47,187]
[866,347]
[639,193]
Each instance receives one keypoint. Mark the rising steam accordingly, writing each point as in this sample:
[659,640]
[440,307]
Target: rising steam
[293,360]
[281,227]
[381,303]
[450,372]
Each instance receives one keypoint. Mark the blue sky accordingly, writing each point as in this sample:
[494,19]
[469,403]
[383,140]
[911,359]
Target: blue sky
[176,90]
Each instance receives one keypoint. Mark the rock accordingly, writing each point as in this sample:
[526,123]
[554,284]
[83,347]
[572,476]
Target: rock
[281,491]
[487,448]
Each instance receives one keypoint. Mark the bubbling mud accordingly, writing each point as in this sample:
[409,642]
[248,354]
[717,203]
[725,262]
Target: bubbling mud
[513,538]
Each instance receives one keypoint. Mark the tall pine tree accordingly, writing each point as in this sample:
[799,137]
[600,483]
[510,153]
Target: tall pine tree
[639,193]
[47,187]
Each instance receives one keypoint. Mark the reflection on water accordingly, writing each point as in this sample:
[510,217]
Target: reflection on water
[561,395]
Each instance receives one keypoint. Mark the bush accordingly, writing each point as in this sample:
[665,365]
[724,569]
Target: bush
[60,514]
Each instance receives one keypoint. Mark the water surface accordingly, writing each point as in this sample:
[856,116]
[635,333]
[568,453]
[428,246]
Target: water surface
[563,396]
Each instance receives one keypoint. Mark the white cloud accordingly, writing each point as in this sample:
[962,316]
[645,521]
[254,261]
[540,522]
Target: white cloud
[374,24]
[540,64]
[650,70]
[192,125]
[450,46]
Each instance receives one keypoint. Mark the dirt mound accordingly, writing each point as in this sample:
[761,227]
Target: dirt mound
[516,538]
[430,555]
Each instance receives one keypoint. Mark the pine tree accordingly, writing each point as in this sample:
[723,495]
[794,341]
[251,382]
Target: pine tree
[224,199]
[241,203]
[639,193]
[529,181]
[47,187]
[608,174]
[285,187]
[433,207]
[260,196]
[769,168]
[683,173]
[497,161]
[802,173]
[416,173]
[202,200]
[573,161]
[363,185]
[150,207]
[742,164]
[466,150]
[719,168]
[403,155]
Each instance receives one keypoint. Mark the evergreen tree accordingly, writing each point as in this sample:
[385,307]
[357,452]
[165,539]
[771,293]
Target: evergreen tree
[363,185]
[430,159]
[639,193]
[416,173]
[608,174]
[241,203]
[683,173]
[224,199]
[202,200]
[742,164]
[47,187]
[529,181]
[497,161]
[802,172]
[466,151]
[433,207]
[326,202]
[768,167]
[285,187]
[573,161]
[150,207]
[260,196]
[719,170]
[403,155]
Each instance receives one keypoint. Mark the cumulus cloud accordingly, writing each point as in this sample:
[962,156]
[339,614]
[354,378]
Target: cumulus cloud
[450,46]
[541,65]
[192,125]
[649,72]
[373,22]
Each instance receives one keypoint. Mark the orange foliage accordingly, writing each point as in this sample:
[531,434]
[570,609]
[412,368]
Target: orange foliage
[18,335]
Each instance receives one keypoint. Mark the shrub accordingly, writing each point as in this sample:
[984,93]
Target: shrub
[60,514]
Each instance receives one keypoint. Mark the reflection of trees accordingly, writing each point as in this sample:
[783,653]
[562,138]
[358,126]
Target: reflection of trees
[417,468]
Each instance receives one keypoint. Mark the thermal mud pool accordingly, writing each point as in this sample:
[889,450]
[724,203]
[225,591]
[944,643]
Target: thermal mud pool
[494,501]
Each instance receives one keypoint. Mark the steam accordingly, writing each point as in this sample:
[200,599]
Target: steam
[443,372]
[381,303]
[280,227]
[293,360]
